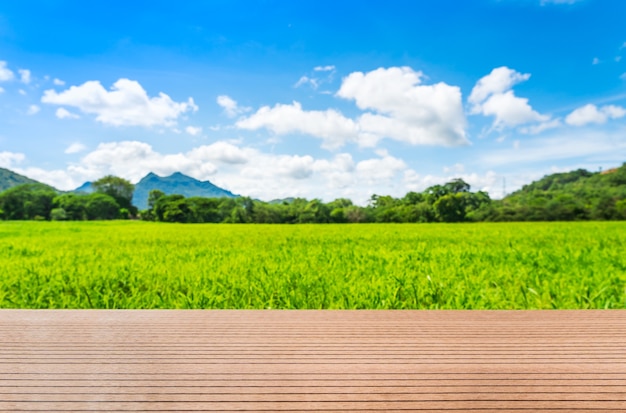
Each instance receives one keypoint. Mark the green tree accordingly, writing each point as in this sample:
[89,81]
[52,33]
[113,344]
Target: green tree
[74,206]
[153,196]
[27,201]
[119,188]
[102,207]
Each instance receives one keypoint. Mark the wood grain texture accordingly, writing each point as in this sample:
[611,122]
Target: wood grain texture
[294,361]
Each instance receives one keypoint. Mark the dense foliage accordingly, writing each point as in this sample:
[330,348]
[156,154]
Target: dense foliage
[41,202]
[577,195]
[452,202]
[378,266]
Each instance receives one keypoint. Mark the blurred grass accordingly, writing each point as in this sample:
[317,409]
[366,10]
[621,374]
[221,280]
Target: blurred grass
[378,266]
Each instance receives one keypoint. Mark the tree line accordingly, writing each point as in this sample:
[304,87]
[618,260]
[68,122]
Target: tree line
[111,199]
[576,195]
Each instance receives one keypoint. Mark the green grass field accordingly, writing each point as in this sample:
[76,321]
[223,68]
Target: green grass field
[470,266]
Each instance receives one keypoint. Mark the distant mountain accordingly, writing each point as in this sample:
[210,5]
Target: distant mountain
[176,183]
[85,188]
[9,179]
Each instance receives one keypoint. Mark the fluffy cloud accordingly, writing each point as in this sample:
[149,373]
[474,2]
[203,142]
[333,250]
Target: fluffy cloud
[10,159]
[24,75]
[328,68]
[592,114]
[126,104]
[329,125]
[221,152]
[5,73]
[492,96]
[76,147]
[321,75]
[193,130]
[380,169]
[541,127]
[510,110]
[133,160]
[305,79]
[244,170]
[398,107]
[1,90]
[63,113]
[33,109]
[500,80]
[404,109]
[230,106]
[58,82]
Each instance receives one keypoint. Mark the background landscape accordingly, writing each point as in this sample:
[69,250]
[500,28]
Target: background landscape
[448,154]
[271,99]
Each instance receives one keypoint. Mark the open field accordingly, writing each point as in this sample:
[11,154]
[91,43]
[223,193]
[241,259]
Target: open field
[473,266]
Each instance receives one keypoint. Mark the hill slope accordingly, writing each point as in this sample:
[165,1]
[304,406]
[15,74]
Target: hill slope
[575,195]
[9,179]
[176,183]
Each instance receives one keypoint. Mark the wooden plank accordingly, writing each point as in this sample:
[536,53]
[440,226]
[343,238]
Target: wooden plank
[427,361]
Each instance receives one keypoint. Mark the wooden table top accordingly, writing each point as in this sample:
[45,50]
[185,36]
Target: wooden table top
[294,361]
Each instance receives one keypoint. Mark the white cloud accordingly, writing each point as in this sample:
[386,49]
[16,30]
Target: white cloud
[193,130]
[573,144]
[510,110]
[58,82]
[76,147]
[315,81]
[63,113]
[126,104]
[33,109]
[243,170]
[492,96]
[338,172]
[9,159]
[24,75]
[613,111]
[500,80]
[380,169]
[592,114]
[1,90]
[230,106]
[5,73]
[22,92]
[541,127]
[133,160]
[296,167]
[398,107]
[404,109]
[304,80]
[329,125]
[221,152]
[328,68]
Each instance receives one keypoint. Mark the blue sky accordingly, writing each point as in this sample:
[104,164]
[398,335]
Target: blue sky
[317,99]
